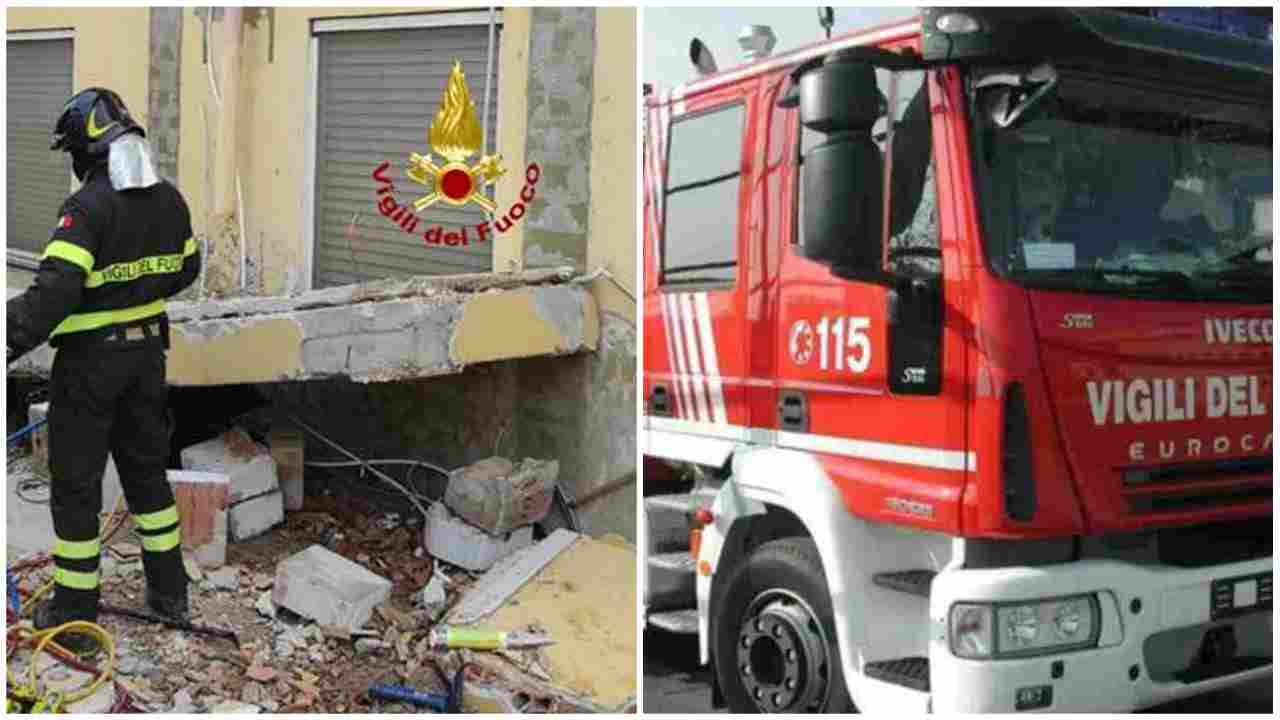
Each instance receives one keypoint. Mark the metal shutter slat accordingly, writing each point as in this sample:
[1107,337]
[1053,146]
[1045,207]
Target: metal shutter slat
[377,93]
[39,82]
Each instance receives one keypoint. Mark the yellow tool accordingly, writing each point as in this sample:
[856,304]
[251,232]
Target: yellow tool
[451,638]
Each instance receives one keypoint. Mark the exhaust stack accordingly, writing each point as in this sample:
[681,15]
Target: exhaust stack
[701,57]
[756,41]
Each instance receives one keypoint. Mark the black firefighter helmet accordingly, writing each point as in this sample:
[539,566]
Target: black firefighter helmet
[90,121]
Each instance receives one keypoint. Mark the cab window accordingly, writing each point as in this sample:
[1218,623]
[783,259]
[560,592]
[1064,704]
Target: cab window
[704,165]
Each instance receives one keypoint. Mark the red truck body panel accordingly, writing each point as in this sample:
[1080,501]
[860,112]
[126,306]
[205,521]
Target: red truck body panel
[726,354]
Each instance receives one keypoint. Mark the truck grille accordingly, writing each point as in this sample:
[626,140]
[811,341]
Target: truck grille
[1189,472]
[1196,486]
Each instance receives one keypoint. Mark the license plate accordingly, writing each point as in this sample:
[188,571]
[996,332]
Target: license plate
[1230,597]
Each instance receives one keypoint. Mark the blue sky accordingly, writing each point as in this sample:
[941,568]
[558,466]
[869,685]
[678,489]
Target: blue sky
[668,30]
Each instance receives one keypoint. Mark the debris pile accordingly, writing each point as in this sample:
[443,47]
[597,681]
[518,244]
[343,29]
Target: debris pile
[489,510]
[255,502]
[342,607]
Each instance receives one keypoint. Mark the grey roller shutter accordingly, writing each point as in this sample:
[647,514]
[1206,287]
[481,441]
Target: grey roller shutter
[39,83]
[377,92]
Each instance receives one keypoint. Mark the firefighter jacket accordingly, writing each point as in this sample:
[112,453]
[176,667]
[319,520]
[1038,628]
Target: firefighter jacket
[113,260]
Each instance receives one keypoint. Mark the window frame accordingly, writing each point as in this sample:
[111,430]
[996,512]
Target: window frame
[664,285]
[320,27]
[885,176]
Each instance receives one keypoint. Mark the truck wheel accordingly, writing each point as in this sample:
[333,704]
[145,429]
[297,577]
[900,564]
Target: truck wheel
[775,636]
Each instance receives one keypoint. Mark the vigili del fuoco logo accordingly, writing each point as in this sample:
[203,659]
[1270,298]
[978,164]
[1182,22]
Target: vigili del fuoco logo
[455,136]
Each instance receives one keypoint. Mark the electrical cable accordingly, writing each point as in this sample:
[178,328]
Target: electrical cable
[380,490]
[376,472]
[24,488]
[386,461]
[17,435]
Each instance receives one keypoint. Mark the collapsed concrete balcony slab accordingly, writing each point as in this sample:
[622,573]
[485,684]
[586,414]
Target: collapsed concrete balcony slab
[381,331]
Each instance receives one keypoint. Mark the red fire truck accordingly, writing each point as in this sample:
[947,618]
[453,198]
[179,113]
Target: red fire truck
[957,363]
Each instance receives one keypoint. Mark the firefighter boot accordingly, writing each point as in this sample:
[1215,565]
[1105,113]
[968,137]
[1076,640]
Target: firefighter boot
[166,584]
[70,605]
[168,606]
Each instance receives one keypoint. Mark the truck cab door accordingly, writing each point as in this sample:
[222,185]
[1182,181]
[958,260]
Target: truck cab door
[870,375]
[695,339]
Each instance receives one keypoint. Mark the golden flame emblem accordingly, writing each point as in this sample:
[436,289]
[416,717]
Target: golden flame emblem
[455,135]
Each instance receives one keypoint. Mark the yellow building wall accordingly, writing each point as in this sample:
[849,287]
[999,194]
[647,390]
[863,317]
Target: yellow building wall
[99,56]
[508,248]
[112,49]
[273,131]
[612,244]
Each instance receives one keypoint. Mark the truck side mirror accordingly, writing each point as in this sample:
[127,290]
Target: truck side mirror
[842,176]
[1010,98]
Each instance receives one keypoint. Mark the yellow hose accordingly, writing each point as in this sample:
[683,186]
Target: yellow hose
[44,642]
[44,639]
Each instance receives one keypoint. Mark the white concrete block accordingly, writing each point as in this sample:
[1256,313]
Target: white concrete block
[250,465]
[250,518]
[328,588]
[460,543]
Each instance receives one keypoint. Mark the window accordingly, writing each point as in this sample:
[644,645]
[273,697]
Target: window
[700,242]
[913,202]
[377,91]
[38,84]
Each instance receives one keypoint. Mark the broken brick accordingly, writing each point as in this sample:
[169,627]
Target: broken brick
[499,497]
[201,498]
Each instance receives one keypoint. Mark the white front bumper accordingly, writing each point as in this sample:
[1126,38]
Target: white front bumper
[1097,679]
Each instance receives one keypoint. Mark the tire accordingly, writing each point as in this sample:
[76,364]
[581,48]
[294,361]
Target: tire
[769,654]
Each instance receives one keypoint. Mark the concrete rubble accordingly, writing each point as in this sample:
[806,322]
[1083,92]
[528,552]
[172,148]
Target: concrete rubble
[224,578]
[287,449]
[498,496]
[337,595]
[201,498]
[488,511]
[326,587]
[250,518]
[250,466]
[255,503]
[459,543]
[385,330]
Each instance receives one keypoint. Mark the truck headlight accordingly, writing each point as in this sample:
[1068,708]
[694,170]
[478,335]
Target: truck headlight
[1038,627]
[971,630]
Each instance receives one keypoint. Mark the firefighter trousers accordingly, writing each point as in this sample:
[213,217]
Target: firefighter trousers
[110,400]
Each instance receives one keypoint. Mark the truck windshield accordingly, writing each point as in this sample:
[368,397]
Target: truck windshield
[1120,188]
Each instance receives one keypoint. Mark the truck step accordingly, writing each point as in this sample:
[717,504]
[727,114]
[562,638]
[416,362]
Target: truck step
[670,581]
[667,517]
[681,622]
[683,503]
[912,672]
[913,582]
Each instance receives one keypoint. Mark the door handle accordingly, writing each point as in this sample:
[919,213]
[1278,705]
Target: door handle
[660,401]
[793,411]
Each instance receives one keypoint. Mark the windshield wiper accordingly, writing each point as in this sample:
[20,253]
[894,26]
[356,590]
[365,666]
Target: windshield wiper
[1249,281]
[1103,277]
[1250,255]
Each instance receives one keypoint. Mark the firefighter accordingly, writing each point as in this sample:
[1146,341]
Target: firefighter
[122,244]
